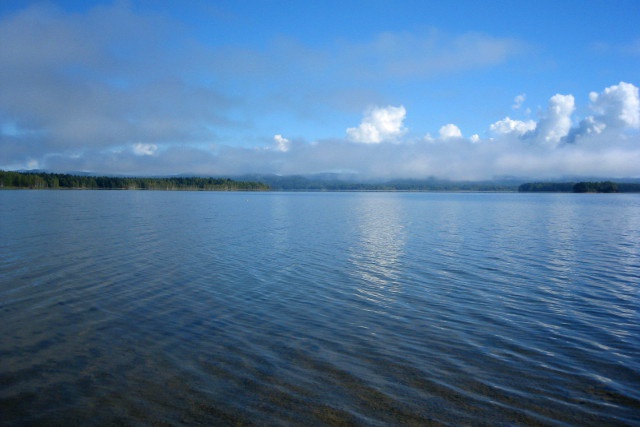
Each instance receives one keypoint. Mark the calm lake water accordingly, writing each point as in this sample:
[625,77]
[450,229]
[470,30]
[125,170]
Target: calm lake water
[137,308]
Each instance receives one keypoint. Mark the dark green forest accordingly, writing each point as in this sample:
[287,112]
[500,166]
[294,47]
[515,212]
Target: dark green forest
[580,187]
[39,180]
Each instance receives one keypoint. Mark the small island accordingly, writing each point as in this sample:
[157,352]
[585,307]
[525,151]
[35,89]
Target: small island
[41,180]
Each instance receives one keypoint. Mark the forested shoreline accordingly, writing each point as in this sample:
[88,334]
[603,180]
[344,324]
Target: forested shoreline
[580,187]
[40,180]
[45,180]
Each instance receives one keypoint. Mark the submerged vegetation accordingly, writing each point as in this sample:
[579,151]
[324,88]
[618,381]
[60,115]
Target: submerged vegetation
[580,187]
[40,180]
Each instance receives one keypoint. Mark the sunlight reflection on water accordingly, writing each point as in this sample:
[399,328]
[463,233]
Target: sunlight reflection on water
[376,257]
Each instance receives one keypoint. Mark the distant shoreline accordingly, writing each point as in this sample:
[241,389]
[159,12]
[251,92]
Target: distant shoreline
[295,183]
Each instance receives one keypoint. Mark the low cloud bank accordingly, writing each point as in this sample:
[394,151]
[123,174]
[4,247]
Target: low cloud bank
[605,143]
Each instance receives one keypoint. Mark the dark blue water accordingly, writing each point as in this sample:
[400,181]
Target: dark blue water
[139,308]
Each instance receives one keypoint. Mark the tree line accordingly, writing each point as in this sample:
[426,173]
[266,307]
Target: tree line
[41,180]
[580,187]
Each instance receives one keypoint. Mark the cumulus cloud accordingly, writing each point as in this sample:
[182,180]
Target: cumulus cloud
[556,123]
[617,106]
[379,124]
[508,126]
[449,131]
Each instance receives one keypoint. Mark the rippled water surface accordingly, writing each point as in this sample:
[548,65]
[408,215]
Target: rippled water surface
[137,308]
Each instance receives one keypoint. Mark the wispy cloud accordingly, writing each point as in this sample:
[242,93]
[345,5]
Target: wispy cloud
[518,101]
[632,48]
[81,80]
[403,55]
[411,55]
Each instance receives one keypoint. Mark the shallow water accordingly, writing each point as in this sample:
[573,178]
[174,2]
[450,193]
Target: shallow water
[134,307]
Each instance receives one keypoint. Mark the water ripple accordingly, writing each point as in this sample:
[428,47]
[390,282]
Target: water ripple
[372,309]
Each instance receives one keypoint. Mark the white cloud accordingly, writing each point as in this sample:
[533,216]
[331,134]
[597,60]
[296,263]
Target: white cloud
[449,131]
[141,149]
[379,124]
[475,138]
[617,106]
[588,126]
[556,123]
[594,155]
[518,101]
[281,143]
[508,126]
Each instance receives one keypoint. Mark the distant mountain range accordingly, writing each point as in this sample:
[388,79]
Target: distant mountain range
[351,182]
[345,182]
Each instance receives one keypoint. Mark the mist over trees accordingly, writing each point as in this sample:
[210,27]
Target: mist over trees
[339,182]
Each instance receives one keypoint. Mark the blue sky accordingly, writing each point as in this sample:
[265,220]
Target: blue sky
[453,89]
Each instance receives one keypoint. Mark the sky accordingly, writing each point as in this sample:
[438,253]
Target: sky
[461,90]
